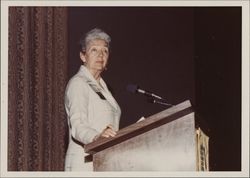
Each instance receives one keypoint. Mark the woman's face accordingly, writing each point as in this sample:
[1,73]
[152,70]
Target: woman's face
[96,55]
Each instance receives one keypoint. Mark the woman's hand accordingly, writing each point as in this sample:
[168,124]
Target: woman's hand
[107,132]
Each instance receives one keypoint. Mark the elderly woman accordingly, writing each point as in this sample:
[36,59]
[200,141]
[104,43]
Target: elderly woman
[91,109]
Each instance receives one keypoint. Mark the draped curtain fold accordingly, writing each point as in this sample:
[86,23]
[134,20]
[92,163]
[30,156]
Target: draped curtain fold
[37,76]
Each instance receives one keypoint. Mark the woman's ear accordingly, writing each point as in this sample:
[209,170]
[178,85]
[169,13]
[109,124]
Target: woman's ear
[82,57]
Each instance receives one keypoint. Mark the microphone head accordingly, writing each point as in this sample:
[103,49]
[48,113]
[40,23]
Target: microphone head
[132,88]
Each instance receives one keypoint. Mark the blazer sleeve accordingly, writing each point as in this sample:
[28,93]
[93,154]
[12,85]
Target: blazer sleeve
[76,99]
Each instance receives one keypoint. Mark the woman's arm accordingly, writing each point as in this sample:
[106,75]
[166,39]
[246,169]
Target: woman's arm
[77,97]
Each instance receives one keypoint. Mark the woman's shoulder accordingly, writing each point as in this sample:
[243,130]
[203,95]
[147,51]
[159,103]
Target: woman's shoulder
[77,81]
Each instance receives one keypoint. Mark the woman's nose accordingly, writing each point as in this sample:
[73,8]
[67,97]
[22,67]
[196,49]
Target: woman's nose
[100,53]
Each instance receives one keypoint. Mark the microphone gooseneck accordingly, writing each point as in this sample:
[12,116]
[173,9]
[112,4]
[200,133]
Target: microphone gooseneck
[153,98]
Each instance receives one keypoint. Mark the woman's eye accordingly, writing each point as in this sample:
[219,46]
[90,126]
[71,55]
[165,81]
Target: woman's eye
[105,51]
[93,50]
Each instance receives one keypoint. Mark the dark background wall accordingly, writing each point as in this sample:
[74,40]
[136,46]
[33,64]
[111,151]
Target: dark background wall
[217,34]
[178,53]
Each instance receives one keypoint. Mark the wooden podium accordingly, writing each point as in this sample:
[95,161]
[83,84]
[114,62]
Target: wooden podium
[166,141]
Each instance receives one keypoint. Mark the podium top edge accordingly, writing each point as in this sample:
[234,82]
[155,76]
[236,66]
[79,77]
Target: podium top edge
[176,108]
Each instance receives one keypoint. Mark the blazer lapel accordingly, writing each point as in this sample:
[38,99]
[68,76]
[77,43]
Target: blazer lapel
[108,95]
[97,88]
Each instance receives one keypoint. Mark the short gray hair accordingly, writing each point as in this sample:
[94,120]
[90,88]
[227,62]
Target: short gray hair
[94,34]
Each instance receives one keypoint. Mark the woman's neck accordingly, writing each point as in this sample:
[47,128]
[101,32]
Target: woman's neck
[96,75]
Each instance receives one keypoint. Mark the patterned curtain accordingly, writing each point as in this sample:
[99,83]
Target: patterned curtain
[37,76]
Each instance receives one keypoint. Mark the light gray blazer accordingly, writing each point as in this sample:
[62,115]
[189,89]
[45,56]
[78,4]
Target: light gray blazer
[88,114]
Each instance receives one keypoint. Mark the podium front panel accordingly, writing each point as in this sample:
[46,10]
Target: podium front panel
[169,147]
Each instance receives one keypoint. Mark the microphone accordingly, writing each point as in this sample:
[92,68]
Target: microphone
[135,89]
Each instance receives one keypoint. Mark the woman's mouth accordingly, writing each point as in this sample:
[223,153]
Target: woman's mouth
[99,62]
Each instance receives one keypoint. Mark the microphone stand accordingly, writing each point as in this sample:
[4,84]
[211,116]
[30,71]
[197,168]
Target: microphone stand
[161,102]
